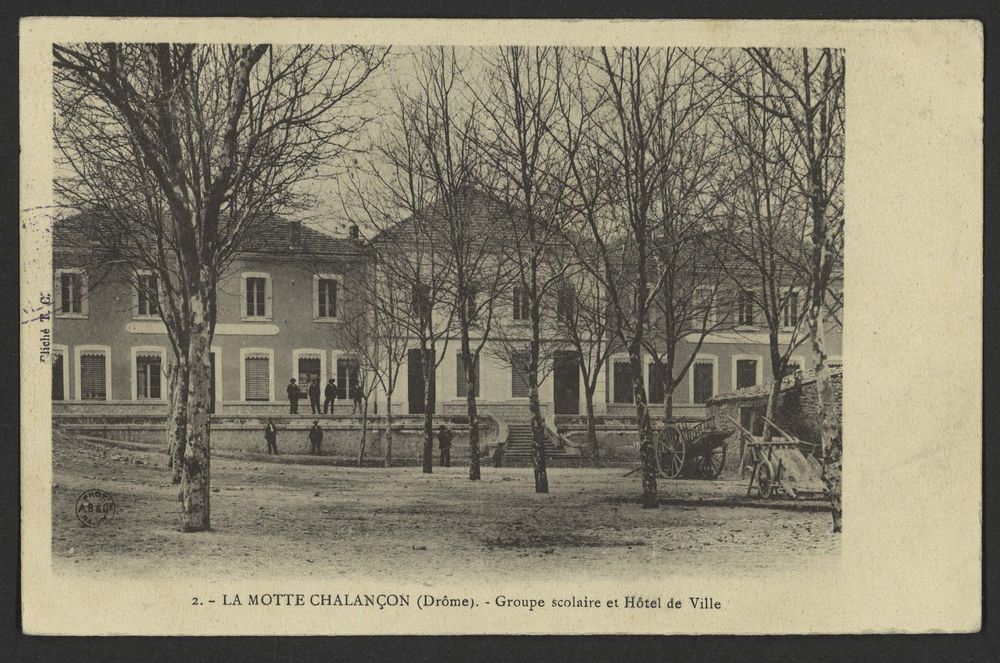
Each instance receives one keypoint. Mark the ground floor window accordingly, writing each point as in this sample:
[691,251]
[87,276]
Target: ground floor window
[519,387]
[93,376]
[746,373]
[257,374]
[704,381]
[461,383]
[309,369]
[148,372]
[58,376]
[347,376]
[657,382]
[622,375]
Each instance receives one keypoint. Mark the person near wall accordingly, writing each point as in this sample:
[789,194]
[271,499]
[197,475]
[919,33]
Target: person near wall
[314,395]
[356,398]
[293,397]
[315,439]
[271,437]
[444,444]
[330,397]
[498,455]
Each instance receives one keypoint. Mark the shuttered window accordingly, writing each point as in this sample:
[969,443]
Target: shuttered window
[790,311]
[522,304]
[461,385]
[58,366]
[744,307]
[309,370]
[347,376]
[703,381]
[519,377]
[258,379]
[71,292]
[656,383]
[327,298]
[256,288]
[93,377]
[147,295]
[623,382]
[147,376]
[746,373]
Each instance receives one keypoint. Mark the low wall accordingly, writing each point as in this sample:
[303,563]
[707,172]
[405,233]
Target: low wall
[341,435]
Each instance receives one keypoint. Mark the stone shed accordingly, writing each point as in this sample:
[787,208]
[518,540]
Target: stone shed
[798,410]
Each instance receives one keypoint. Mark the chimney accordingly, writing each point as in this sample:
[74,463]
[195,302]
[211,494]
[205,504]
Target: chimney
[296,238]
[352,232]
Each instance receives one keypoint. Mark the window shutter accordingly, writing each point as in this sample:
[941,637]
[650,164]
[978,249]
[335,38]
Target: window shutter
[93,382]
[244,297]
[84,294]
[58,366]
[461,384]
[257,378]
[57,302]
[317,293]
[268,311]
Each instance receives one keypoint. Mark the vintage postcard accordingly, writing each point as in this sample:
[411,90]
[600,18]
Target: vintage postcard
[461,327]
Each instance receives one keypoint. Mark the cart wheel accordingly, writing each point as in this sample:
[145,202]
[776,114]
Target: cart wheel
[765,478]
[710,465]
[670,452]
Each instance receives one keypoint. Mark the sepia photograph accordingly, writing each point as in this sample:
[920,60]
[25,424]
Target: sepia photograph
[440,314]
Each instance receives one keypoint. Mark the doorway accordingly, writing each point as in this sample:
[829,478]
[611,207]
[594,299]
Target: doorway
[415,380]
[566,383]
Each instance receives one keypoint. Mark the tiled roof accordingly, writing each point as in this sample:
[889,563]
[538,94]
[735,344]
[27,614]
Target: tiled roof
[275,236]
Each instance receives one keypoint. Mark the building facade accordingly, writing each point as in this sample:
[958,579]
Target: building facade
[283,310]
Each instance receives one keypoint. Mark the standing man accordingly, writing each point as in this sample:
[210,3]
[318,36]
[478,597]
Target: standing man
[293,397]
[314,395]
[315,439]
[356,398]
[330,397]
[444,444]
[271,437]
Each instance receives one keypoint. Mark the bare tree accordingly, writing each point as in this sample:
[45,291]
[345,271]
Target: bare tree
[179,151]
[379,341]
[522,85]
[581,317]
[806,93]
[611,120]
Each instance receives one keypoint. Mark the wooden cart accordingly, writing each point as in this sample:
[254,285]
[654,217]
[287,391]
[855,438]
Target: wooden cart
[779,466]
[691,448]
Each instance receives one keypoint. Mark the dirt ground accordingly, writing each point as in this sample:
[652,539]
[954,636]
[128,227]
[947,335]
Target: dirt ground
[276,518]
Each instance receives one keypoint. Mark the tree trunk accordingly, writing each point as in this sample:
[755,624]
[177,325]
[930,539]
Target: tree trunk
[388,430]
[473,412]
[196,479]
[428,371]
[832,443]
[537,423]
[595,454]
[668,404]
[364,434]
[177,419]
[647,450]
[773,399]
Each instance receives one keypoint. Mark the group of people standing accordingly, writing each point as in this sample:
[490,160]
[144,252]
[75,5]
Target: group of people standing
[271,438]
[329,393]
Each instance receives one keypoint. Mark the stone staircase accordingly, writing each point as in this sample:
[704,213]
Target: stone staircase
[518,448]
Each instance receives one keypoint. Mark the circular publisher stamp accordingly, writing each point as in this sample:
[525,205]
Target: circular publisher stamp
[94,506]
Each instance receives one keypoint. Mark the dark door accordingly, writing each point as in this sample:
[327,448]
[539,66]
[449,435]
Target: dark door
[211,385]
[566,385]
[57,377]
[415,380]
